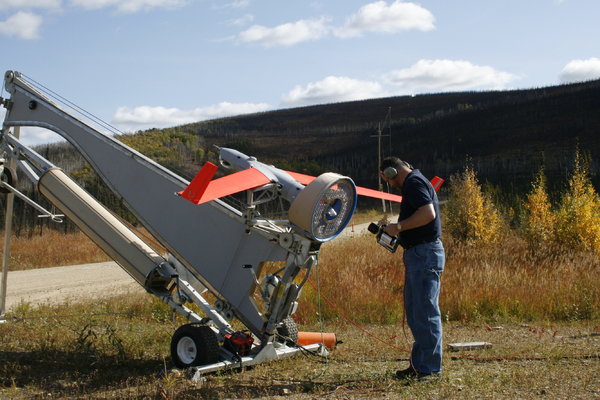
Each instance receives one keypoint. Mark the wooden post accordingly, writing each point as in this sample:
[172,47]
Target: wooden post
[10,199]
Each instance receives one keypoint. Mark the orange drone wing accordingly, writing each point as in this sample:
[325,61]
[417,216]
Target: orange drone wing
[361,191]
[436,182]
[377,194]
[203,189]
[302,178]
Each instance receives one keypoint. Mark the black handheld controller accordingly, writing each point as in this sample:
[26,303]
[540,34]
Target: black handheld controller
[390,243]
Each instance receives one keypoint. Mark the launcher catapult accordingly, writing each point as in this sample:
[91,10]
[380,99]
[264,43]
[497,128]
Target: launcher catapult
[211,245]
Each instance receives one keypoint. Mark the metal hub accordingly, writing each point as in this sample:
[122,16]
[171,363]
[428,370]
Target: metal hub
[186,350]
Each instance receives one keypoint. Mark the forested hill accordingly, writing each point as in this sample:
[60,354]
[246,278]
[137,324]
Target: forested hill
[506,135]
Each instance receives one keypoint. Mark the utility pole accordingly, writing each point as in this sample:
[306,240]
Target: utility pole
[379,136]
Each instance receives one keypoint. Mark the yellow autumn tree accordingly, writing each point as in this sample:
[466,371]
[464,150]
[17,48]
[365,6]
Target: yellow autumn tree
[578,217]
[470,214]
[541,221]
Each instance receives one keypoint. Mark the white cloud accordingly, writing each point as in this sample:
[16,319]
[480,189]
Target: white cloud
[238,4]
[448,75]
[243,20]
[232,5]
[28,4]
[128,6]
[383,18]
[581,70]
[23,25]
[333,89]
[145,117]
[378,16]
[32,136]
[286,34]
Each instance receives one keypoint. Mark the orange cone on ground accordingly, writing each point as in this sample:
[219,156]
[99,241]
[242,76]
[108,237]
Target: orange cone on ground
[328,339]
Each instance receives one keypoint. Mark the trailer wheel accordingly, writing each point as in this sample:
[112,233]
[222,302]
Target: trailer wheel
[289,330]
[9,176]
[193,345]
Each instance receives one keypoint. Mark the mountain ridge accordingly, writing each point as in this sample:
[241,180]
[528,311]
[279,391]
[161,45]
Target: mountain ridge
[507,136]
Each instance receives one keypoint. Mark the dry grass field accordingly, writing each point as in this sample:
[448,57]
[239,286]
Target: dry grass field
[52,249]
[539,310]
[118,349]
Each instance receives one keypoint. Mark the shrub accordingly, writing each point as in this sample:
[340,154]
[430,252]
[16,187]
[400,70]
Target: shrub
[471,215]
[541,221]
[578,217]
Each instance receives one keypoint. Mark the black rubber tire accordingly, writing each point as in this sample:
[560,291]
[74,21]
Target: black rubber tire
[193,345]
[289,330]
[9,176]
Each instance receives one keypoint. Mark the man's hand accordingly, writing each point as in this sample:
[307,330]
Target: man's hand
[392,230]
[424,215]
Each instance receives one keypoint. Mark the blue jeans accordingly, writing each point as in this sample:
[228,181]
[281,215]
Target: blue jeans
[424,265]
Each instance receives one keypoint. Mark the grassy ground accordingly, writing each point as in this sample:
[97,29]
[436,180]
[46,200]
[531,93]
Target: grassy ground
[119,348]
[540,310]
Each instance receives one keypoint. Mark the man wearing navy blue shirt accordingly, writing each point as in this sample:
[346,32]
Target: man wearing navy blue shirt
[419,230]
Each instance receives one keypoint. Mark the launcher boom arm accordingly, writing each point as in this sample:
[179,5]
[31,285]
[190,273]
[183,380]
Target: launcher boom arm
[214,246]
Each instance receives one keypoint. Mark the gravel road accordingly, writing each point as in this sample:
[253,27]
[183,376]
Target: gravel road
[68,284]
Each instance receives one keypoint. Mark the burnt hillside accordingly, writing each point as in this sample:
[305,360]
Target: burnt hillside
[506,135]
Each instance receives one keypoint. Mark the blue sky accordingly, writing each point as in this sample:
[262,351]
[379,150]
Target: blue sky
[158,63]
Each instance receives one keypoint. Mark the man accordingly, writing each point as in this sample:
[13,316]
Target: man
[419,230]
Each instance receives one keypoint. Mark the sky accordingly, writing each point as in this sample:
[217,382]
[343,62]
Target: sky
[140,64]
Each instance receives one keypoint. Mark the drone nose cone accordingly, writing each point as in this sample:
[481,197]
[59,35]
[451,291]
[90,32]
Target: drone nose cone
[324,207]
[334,210]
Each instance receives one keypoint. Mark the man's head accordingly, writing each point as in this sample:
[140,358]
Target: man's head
[393,171]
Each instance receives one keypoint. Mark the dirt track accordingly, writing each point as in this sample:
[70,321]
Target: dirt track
[74,283]
[66,284]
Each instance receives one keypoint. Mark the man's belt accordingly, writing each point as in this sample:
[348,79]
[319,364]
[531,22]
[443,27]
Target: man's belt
[411,245]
